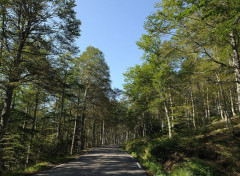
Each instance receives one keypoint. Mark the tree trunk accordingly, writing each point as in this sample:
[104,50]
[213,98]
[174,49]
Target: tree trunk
[61,121]
[33,127]
[171,107]
[232,104]
[208,108]
[236,64]
[5,115]
[75,127]
[201,106]
[227,117]
[93,133]
[219,105]
[69,128]
[83,117]
[193,109]
[103,133]
[168,120]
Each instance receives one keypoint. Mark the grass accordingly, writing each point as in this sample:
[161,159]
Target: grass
[215,153]
[41,166]
[37,167]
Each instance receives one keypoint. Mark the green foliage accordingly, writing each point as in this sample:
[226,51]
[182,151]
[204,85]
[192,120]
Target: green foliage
[188,154]
[12,151]
[36,167]
[134,154]
[160,152]
[155,168]
[195,167]
[162,148]
[40,166]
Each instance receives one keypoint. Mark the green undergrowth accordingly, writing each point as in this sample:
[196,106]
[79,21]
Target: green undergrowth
[28,170]
[41,166]
[214,153]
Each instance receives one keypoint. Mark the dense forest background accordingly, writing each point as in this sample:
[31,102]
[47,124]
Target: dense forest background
[53,101]
[188,88]
[57,102]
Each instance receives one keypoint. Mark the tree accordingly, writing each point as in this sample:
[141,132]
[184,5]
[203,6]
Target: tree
[189,54]
[204,28]
[33,35]
[92,73]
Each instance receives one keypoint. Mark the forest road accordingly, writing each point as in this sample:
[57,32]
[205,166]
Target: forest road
[100,161]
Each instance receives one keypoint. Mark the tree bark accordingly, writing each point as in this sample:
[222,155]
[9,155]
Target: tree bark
[61,120]
[227,117]
[5,115]
[93,133]
[75,127]
[201,106]
[208,107]
[168,120]
[33,127]
[193,109]
[232,104]
[236,64]
[171,106]
[103,133]
[83,117]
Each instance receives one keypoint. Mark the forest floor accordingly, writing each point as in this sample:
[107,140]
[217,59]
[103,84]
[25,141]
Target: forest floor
[191,152]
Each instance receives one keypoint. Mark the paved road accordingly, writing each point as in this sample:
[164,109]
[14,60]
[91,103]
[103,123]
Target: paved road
[100,161]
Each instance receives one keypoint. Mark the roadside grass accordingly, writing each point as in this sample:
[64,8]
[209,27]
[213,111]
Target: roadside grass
[28,170]
[216,152]
[44,165]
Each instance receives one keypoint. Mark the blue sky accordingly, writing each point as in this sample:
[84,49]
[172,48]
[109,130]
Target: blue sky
[114,26]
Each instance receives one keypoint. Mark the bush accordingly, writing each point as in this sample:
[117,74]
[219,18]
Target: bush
[155,168]
[162,149]
[195,167]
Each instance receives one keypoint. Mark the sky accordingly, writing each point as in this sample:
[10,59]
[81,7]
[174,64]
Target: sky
[114,27]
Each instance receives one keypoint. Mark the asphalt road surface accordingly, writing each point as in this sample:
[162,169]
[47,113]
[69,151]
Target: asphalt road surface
[99,161]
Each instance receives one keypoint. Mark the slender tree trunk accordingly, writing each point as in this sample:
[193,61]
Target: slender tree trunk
[57,119]
[201,106]
[227,117]
[5,115]
[68,130]
[83,117]
[93,133]
[168,120]
[187,112]
[232,104]
[75,127]
[103,133]
[208,108]
[220,109]
[61,121]
[193,109]
[33,127]
[171,107]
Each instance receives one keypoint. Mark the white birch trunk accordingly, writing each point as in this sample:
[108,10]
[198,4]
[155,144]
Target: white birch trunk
[168,120]
[236,64]
[232,104]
